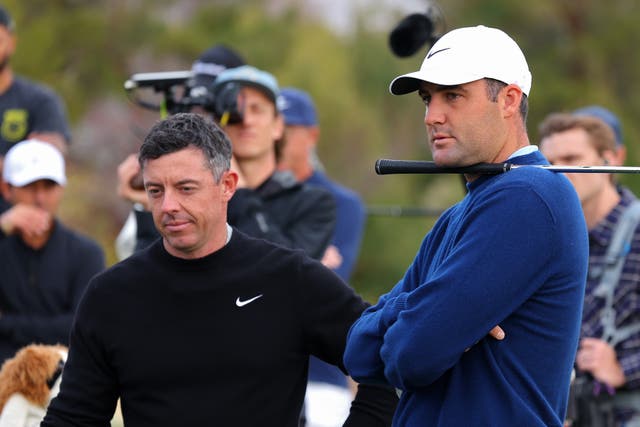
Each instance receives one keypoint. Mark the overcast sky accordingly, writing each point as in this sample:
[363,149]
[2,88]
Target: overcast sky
[340,14]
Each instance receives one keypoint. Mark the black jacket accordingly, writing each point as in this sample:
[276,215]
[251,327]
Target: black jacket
[286,212]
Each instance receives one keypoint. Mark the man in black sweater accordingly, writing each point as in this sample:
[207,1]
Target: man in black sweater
[207,326]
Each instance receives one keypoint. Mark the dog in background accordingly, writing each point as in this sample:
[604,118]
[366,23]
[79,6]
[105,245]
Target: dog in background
[28,382]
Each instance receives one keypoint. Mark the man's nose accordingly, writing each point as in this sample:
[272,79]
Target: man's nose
[434,113]
[170,201]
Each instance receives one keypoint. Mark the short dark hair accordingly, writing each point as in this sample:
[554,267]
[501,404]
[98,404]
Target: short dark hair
[184,130]
[495,86]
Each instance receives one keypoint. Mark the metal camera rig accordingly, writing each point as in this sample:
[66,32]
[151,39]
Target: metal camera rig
[181,92]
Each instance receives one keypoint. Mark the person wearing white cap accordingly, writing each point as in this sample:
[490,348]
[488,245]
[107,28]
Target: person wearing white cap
[44,266]
[512,253]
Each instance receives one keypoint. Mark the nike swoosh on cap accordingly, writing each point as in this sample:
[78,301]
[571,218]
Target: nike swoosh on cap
[241,303]
[437,51]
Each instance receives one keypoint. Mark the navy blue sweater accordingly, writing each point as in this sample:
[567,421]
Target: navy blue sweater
[512,253]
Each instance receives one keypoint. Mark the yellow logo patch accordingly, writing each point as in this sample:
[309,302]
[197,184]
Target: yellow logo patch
[14,125]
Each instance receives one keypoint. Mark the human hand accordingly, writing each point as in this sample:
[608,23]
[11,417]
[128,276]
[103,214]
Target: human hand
[497,333]
[332,258]
[127,170]
[30,222]
[599,358]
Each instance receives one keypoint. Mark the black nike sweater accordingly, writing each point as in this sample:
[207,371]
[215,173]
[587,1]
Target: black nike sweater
[223,340]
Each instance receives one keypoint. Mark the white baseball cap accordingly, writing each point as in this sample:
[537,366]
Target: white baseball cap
[31,160]
[468,54]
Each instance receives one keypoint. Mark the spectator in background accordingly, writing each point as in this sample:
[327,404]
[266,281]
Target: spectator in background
[298,155]
[269,204]
[328,392]
[27,109]
[608,357]
[44,266]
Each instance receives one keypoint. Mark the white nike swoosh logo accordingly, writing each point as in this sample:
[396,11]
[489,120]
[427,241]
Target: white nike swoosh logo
[241,303]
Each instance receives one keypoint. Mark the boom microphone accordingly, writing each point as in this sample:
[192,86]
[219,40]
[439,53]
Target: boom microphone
[410,34]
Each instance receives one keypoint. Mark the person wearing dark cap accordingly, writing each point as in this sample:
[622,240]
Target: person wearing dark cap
[44,266]
[298,155]
[328,392]
[608,357]
[270,204]
[206,68]
[512,253]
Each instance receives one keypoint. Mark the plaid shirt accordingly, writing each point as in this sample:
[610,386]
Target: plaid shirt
[626,295]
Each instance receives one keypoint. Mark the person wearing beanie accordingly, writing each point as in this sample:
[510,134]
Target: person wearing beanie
[512,253]
[45,265]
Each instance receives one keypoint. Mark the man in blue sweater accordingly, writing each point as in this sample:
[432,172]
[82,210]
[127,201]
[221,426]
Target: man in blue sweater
[512,253]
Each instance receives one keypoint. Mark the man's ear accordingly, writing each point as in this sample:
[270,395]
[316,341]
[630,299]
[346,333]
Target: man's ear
[609,158]
[229,182]
[314,131]
[511,99]
[278,127]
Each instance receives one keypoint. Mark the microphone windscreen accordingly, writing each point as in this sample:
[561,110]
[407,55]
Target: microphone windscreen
[410,34]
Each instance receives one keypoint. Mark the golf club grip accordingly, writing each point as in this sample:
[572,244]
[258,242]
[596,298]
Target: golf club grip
[388,166]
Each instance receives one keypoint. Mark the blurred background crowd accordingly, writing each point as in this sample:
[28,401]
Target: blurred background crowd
[580,53]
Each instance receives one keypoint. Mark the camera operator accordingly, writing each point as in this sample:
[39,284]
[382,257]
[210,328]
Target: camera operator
[269,204]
